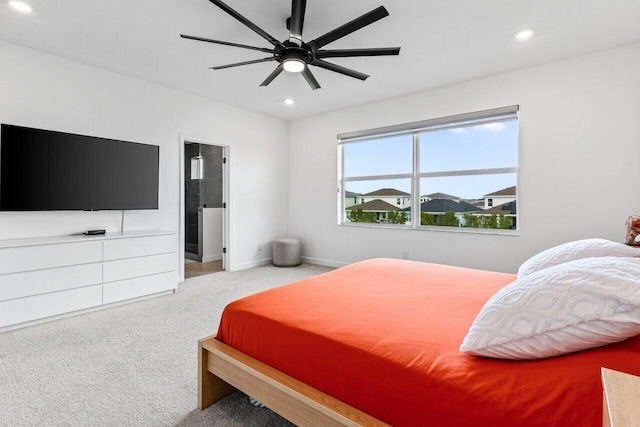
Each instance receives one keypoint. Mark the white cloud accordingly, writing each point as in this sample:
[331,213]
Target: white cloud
[491,127]
[457,130]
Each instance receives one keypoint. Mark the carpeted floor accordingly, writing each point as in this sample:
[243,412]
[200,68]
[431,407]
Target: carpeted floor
[133,365]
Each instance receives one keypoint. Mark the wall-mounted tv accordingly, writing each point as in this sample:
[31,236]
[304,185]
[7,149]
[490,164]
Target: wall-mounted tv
[46,170]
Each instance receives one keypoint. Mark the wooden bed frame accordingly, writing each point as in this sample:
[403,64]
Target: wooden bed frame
[223,369]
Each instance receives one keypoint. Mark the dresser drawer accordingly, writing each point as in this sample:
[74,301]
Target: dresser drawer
[27,258]
[18,285]
[137,267]
[140,286]
[139,246]
[46,305]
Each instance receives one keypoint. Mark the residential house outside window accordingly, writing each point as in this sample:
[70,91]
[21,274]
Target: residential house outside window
[453,172]
[380,171]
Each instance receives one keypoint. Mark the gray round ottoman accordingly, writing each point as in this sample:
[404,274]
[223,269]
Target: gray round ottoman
[286,252]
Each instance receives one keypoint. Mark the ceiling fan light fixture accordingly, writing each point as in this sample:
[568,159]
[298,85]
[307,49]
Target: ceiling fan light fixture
[293,65]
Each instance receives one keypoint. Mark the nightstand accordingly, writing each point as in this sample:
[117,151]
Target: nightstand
[621,404]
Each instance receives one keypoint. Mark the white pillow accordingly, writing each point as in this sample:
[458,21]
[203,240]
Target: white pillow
[587,248]
[565,308]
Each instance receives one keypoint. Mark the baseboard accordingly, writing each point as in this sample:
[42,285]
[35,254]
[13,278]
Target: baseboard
[324,262]
[308,260]
[257,263]
[211,258]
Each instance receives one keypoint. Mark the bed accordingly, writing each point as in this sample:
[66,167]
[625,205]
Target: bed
[377,343]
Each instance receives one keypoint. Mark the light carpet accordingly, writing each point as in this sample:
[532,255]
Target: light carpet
[132,365]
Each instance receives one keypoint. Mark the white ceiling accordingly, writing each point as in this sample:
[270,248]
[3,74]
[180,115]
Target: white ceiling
[442,42]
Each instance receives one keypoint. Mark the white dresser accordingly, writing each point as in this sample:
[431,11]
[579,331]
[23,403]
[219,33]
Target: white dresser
[52,277]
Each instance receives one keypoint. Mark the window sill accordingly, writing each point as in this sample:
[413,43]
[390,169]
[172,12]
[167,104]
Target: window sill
[375,225]
[461,230]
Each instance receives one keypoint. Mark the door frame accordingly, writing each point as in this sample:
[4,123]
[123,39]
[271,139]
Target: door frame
[226,229]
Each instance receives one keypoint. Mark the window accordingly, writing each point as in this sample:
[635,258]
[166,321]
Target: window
[379,170]
[458,171]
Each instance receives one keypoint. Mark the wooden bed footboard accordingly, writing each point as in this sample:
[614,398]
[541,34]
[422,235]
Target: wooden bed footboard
[222,370]
[210,387]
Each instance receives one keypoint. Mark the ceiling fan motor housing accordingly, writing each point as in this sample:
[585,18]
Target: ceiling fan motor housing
[290,50]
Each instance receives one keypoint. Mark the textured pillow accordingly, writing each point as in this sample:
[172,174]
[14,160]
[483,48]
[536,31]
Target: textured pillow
[565,308]
[587,248]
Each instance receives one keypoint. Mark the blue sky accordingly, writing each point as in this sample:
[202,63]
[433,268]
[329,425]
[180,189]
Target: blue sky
[491,145]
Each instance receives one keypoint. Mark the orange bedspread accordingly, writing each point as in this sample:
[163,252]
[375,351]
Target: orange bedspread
[383,335]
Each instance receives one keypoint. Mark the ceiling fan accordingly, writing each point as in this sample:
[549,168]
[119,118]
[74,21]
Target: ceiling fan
[294,55]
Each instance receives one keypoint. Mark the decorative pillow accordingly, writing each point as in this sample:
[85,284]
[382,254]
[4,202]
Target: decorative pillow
[633,231]
[587,248]
[565,308]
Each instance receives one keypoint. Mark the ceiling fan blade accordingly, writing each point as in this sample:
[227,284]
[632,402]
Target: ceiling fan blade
[349,27]
[342,53]
[246,22]
[238,64]
[308,76]
[202,39]
[339,69]
[273,75]
[297,21]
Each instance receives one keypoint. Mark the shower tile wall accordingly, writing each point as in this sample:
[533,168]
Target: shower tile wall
[205,193]
[211,185]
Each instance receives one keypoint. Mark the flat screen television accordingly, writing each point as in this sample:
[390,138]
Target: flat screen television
[42,170]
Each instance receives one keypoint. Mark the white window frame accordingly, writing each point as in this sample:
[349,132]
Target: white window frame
[416,128]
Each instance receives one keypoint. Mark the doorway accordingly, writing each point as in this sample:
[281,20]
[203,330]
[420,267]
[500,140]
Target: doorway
[203,208]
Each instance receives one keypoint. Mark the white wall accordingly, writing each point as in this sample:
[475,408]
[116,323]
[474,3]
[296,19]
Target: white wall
[578,145]
[49,92]
[579,163]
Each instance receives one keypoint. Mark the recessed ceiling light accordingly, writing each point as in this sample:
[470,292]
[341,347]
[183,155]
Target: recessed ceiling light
[289,101]
[524,34]
[20,6]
